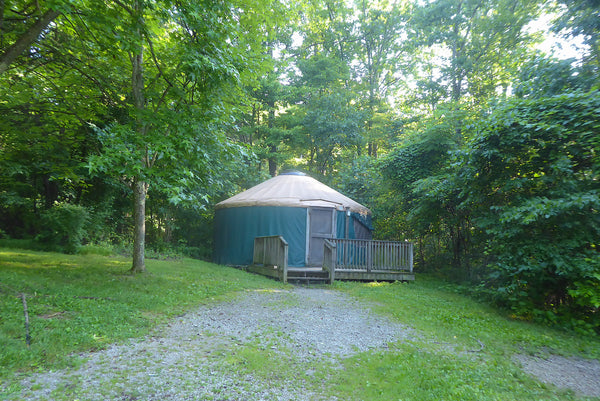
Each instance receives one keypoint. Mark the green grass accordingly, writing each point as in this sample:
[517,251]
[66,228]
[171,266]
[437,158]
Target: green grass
[463,349]
[408,373]
[444,315]
[84,302]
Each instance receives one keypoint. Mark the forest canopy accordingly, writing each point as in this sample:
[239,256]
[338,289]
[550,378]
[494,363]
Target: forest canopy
[125,121]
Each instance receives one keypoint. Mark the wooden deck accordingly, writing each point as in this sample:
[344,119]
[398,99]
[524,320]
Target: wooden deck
[344,259]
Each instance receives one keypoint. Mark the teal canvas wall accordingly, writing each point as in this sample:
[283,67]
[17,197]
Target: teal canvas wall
[236,228]
[340,219]
[356,221]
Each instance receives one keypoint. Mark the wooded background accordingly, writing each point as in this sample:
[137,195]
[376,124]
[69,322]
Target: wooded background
[124,121]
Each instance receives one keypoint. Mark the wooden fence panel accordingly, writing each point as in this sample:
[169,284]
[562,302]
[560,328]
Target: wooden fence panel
[369,255]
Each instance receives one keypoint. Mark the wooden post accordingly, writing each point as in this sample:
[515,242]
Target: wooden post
[285,260]
[330,257]
[27,337]
[369,256]
[410,256]
[345,249]
[333,264]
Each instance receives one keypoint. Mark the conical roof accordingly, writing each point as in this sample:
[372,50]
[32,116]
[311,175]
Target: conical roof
[293,190]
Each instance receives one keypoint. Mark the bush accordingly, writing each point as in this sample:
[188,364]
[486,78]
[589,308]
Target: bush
[62,228]
[533,183]
[198,252]
[102,250]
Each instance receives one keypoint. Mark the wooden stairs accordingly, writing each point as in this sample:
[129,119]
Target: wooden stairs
[308,276]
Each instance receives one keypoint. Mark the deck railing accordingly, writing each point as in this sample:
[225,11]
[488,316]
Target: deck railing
[366,255]
[329,258]
[272,252]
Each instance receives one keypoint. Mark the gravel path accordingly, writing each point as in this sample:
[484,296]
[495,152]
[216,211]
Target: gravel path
[192,358]
[200,356]
[579,375]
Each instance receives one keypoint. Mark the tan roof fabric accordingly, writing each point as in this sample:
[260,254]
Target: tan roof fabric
[294,191]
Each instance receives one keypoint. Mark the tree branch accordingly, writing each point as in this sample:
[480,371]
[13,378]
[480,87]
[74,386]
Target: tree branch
[160,72]
[124,7]
[1,23]
[26,40]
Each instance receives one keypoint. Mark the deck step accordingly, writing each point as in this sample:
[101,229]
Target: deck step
[308,277]
[297,273]
[308,280]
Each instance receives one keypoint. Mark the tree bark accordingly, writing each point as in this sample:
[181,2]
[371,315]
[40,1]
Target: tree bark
[140,189]
[272,147]
[26,40]
[272,161]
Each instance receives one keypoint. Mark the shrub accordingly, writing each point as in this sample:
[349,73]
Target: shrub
[62,228]
[97,249]
[533,179]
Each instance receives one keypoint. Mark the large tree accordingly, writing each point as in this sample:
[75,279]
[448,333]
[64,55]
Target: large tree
[382,58]
[531,182]
[157,80]
[46,106]
[473,51]
[186,62]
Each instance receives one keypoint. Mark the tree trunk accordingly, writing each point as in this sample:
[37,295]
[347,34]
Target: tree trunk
[272,147]
[140,189]
[457,52]
[272,161]
[26,39]
[372,149]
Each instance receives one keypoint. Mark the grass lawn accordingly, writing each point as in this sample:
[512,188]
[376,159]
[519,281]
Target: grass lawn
[464,352]
[84,302]
[462,349]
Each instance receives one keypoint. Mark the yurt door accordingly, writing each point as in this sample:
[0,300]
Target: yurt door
[321,223]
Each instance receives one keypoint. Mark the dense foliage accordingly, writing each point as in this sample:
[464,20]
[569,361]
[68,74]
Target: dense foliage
[531,180]
[441,116]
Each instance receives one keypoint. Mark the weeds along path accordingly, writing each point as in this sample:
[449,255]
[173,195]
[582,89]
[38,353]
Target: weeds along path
[265,345]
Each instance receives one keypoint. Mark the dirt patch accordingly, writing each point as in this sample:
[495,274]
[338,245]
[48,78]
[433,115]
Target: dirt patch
[578,374]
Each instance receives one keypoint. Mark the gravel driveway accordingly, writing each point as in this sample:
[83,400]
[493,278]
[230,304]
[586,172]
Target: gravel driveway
[189,360]
[201,355]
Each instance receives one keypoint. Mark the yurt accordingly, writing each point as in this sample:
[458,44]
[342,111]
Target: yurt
[301,209]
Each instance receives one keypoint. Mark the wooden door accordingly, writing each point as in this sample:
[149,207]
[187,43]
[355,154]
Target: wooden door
[321,224]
